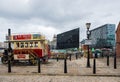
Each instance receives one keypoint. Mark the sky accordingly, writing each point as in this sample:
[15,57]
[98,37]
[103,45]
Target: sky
[51,17]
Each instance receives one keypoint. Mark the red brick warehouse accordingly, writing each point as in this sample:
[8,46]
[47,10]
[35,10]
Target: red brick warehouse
[118,41]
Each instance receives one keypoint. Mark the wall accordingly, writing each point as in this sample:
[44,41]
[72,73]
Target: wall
[118,41]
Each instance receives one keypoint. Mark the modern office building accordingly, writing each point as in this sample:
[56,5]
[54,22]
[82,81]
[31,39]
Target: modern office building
[103,36]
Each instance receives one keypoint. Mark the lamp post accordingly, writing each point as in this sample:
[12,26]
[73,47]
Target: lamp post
[88,33]
[9,51]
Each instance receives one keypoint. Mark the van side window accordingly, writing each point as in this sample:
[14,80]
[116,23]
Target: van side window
[31,44]
[17,45]
[26,44]
[22,45]
[36,44]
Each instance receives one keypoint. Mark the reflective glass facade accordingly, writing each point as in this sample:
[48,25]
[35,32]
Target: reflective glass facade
[103,36]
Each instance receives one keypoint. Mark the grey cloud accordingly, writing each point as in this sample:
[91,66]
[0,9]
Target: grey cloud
[57,11]
[60,14]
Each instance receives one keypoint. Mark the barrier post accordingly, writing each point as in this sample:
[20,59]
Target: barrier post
[39,65]
[94,66]
[107,60]
[65,65]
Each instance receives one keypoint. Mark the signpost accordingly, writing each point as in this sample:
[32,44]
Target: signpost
[88,42]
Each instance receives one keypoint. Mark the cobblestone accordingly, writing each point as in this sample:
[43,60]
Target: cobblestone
[39,78]
[54,72]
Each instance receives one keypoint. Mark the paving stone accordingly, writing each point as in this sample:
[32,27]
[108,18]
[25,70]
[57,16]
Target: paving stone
[54,72]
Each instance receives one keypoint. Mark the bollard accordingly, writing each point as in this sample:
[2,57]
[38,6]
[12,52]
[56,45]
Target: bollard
[115,66]
[65,65]
[94,66]
[57,58]
[70,57]
[76,56]
[9,65]
[39,67]
[107,60]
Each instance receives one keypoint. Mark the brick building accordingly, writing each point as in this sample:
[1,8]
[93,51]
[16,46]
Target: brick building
[118,41]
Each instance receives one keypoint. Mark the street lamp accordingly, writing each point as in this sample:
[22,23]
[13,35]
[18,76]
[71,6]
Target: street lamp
[88,33]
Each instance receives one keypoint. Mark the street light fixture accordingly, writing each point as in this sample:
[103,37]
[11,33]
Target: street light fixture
[88,25]
[88,33]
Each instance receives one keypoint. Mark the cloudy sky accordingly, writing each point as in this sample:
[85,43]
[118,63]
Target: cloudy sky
[56,16]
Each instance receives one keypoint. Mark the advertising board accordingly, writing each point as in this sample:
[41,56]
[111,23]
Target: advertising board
[22,37]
